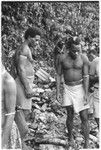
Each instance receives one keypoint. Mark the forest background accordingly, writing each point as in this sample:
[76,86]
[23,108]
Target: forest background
[56,20]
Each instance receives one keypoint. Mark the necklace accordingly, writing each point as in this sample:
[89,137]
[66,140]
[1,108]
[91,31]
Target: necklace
[3,71]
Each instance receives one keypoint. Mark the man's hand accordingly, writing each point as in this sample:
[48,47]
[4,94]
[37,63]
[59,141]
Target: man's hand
[58,99]
[85,99]
[35,92]
[29,93]
[57,103]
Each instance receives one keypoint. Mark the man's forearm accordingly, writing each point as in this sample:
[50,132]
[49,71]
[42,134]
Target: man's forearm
[94,79]
[86,83]
[7,129]
[58,80]
[24,81]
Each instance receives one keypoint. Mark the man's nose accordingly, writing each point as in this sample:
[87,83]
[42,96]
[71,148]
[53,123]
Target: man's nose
[37,42]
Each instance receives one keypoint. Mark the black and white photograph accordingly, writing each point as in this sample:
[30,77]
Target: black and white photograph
[50,57]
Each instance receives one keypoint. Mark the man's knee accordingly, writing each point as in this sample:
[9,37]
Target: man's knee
[27,114]
[97,121]
[70,115]
[21,123]
[70,111]
[84,116]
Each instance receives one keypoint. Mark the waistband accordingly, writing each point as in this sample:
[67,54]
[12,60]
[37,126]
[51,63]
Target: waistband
[28,77]
[9,114]
[74,83]
[96,87]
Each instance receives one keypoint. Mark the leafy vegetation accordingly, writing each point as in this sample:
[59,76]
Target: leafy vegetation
[56,19]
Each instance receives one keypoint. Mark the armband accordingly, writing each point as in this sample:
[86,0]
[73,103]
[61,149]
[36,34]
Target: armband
[12,113]
[86,76]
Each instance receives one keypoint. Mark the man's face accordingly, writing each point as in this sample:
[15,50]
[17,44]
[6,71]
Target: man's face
[33,42]
[91,56]
[74,51]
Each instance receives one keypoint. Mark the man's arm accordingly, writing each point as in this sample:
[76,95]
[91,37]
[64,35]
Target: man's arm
[93,77]
[29,55]
[9,105]
[59,76]
[85,74]
[23,77]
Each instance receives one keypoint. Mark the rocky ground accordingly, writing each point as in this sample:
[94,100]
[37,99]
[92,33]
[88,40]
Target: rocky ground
[47,123]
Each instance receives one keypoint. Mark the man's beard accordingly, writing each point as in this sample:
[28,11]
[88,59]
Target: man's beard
[73,56]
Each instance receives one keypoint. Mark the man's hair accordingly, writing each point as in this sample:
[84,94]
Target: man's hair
[72,41]
[32,32]
[93,52]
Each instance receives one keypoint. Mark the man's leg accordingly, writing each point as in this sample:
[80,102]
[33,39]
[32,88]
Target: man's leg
[23,128]
[96,111]
[27,114]
[69,121]
[85,126]
[97,121]
[21,123]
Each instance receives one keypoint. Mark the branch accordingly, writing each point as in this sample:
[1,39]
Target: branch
[53,141]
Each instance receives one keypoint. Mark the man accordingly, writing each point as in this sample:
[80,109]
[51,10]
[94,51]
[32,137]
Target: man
[94,80]
[84,50]
[24,80]
[92,54]
[74,67]
[8,105]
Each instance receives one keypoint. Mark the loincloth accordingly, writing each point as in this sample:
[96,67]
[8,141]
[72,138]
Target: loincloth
[94,102]
[22,101]
[74,95]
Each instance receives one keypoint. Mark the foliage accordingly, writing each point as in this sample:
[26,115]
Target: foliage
[56,19]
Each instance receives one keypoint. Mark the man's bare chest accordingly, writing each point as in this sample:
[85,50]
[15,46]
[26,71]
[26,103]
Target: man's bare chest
[70,63]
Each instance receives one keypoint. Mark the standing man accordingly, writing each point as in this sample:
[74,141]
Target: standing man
[8,105]
[24,80]
[91,56]
[74,67]
[94,79]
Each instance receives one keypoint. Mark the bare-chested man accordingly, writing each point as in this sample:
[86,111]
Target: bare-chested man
[25,78]
[8,105]
[74,67]
[94,79]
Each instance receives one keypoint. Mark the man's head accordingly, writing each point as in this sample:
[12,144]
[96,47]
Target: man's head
[32,35]
[73,46]
[32,32]
[84,50]
[92,54]
[3,70]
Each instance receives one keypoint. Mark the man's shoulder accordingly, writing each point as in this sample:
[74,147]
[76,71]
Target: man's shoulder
[60,57]
[96,60]
[9,82]
[10,79]
[84,58]
[63,56]
[22,49]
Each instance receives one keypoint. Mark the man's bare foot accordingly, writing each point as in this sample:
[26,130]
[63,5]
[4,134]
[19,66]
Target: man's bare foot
[71,142]
[25,147]
[86,145]
[71,145]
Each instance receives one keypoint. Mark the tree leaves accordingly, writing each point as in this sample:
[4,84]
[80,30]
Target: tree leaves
[76,18]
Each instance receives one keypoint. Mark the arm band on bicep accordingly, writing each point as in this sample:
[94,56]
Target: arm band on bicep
[8,114]
[86,76]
